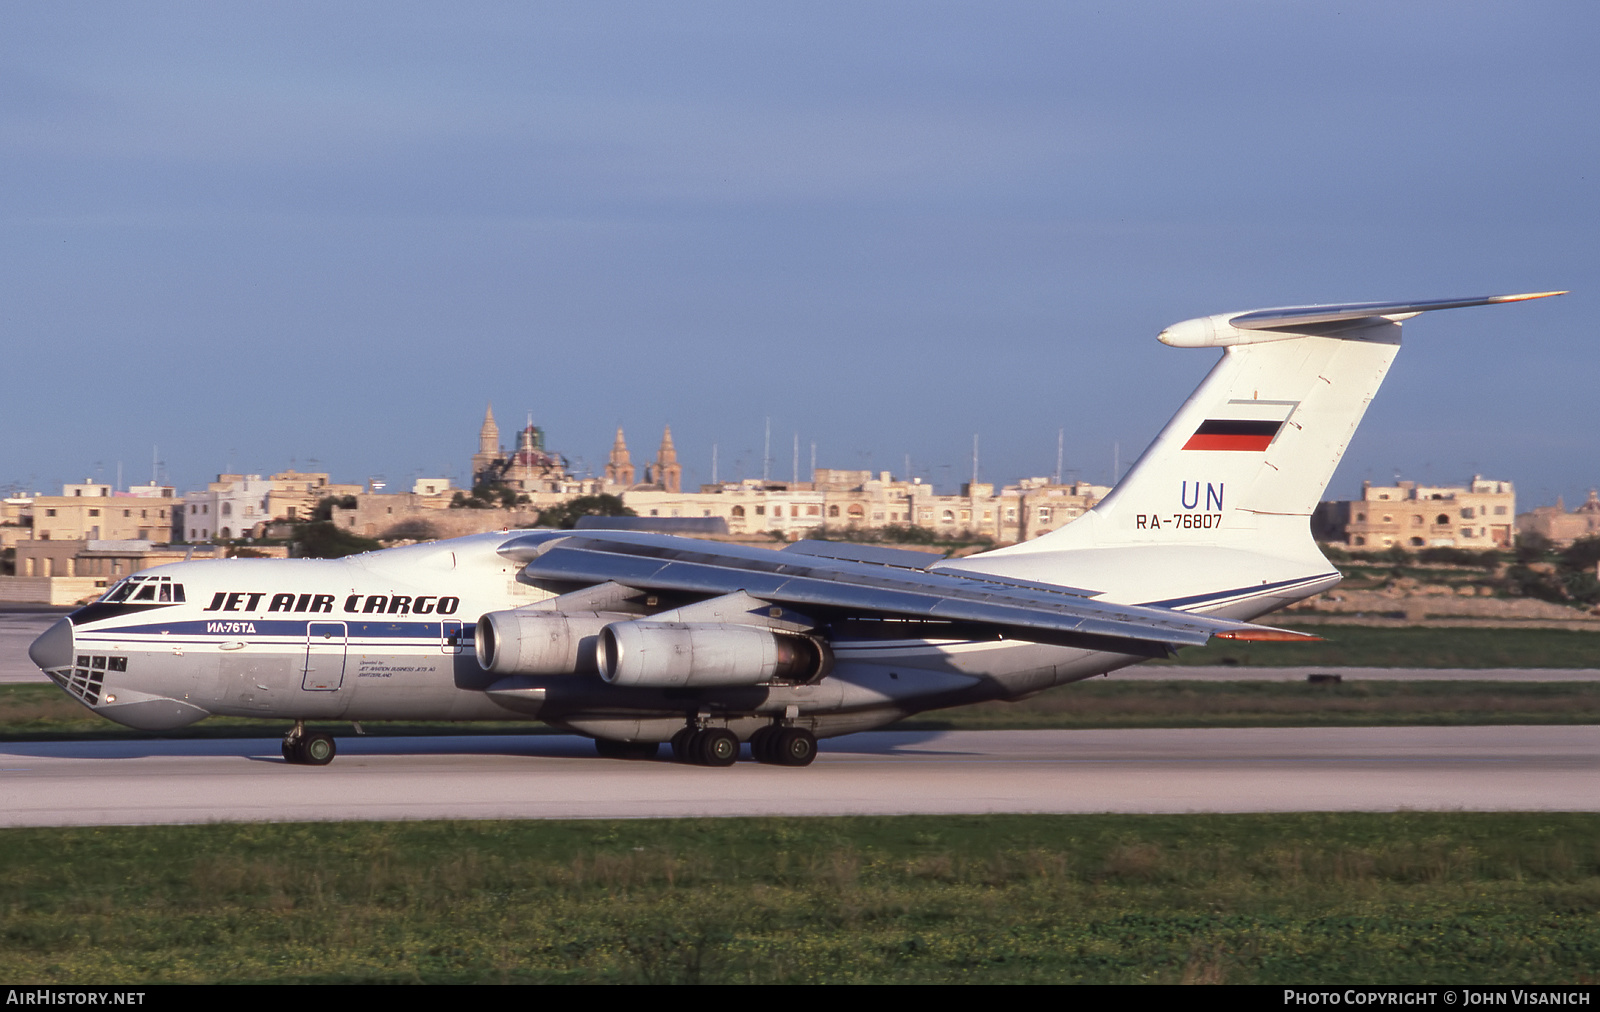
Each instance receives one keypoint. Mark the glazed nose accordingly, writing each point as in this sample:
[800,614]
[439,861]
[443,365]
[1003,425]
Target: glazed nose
[53,648]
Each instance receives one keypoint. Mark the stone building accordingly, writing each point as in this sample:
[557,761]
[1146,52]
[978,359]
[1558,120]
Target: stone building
[489,452]
[530,467]
[665,471]
[664,474]
[1478,516]
[241,505]
[749,507]
[294,495]
[16,521]
[425,517]
[67,572]
[619,466]
[1561,527]
[94,512]
[1030,509]
[1035,507]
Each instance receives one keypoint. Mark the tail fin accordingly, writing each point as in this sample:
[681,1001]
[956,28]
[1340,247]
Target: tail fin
[1248,456]
[1245,460]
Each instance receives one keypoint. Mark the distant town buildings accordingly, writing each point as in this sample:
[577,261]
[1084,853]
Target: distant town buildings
[1561,527]
[70,546]
[842,500]
[242,505]
[1479,516]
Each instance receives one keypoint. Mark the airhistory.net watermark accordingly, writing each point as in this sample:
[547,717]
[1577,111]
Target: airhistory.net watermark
[71,996]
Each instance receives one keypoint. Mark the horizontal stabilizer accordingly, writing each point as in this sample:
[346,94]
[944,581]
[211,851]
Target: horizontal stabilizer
[1296,316]
[1257,326]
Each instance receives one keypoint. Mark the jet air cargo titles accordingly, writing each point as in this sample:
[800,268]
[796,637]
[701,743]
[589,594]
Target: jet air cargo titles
[636,639]
[366,604]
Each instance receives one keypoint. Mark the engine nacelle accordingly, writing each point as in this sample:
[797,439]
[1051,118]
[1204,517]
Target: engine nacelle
[526,642]
[670,655]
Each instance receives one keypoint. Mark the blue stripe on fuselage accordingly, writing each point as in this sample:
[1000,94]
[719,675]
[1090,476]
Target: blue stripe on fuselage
[278,627]
[1219,596]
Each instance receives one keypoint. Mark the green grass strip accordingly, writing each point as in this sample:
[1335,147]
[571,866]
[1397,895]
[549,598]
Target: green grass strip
[1107,702]
[1317,898]
[1357,646]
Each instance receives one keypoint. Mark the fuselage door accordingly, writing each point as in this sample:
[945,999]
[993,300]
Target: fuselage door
[325,647]
[450,636]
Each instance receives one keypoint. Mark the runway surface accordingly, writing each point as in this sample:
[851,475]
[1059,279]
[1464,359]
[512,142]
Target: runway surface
[877,773]
[17,630]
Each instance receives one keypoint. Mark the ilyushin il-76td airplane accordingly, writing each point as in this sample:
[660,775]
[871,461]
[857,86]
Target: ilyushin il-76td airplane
[637,638]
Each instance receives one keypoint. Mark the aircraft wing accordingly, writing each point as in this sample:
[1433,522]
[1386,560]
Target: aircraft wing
[842,584]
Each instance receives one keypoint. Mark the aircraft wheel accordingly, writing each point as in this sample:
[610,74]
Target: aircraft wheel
[291,752]
[318,749]
[761,744]
[718,746]
[682,744]
[795,746]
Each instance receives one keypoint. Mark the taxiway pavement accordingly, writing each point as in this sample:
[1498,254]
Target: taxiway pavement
[17,630]
[876,773]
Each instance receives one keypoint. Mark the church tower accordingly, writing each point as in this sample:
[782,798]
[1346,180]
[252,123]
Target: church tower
[666,471]
[619,469]
[488,445]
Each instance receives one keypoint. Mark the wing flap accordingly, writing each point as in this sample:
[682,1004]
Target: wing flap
[849,551]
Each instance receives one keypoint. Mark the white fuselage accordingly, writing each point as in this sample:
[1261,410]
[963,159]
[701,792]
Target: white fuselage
[389,636]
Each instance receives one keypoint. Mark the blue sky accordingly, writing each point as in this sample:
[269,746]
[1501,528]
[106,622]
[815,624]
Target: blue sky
[326,234]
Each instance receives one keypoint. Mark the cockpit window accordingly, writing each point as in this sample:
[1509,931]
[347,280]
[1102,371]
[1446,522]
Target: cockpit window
[154,589]
[118,592]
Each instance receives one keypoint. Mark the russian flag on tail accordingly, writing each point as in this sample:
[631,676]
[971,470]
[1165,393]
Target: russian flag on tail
[1233,434]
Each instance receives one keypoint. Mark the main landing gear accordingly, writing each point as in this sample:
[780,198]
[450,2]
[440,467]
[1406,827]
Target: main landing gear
[783,746]
[718,746]
[303,748]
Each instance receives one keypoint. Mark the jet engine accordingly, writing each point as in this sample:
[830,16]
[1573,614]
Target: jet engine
[525,642]
[668,655]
